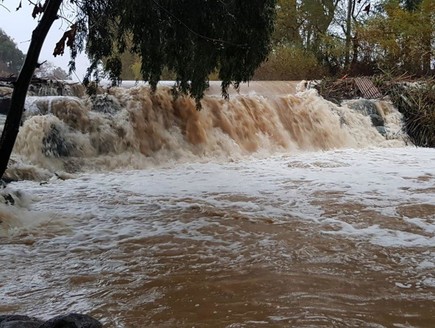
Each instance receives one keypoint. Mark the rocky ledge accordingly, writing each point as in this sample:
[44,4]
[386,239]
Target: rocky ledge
[72,320]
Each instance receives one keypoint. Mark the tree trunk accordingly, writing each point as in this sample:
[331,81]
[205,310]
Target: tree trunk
[13,120]
[348,33]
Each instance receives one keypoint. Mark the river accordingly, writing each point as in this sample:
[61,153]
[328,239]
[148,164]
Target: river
[296,214]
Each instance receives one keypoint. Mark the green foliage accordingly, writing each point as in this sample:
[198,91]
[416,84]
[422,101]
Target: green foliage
[114,66]
[290,63]
[325,29]
[287,24]
[317,16]
[359,37]
[411,5]
[130,66]
[192,38]
[401,39]
[11,58]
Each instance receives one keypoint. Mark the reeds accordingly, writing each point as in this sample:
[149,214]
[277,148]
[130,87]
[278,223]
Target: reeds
[416,101]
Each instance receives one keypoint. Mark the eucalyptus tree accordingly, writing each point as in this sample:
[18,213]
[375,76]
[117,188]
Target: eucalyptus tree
[190,37]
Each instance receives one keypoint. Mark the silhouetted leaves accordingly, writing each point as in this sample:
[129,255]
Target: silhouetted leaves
[69,38]
[191,38]
[37,9]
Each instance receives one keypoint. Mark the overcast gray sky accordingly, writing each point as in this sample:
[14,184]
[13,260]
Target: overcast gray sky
[20,24]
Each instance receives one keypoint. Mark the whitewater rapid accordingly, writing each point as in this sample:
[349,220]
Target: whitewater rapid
[272,209]
[135,129]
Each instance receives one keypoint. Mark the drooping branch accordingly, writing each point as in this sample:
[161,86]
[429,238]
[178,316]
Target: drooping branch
[68,37]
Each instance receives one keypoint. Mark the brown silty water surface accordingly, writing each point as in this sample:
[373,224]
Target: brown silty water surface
[339,238]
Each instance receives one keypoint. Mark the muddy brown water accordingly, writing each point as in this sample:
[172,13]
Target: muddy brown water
[180,247]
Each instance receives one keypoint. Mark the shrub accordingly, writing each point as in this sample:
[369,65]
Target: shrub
[290,63]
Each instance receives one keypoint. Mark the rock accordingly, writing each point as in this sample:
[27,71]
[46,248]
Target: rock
[72,320]
[10,197]
[382,130]
[7,199]
[367,108]
[54,144]
[377,120]
[19,321]
[364,106]
[105,104]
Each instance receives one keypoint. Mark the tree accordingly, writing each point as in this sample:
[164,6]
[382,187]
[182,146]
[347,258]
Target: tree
[411,5]
[288,24]
[301,29]
[318,16]
[400,38]
[350,15]
[49,71]
[192,38]
[11,58]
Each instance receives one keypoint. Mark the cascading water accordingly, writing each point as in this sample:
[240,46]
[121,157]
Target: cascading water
[275,208]
[131,128]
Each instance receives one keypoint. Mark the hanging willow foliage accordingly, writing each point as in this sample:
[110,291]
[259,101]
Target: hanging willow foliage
[191,38]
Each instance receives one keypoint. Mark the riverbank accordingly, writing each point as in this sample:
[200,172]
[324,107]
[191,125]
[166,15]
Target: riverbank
[415,99]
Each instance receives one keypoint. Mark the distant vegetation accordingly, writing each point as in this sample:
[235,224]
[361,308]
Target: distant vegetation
[354,37]
[51,72]
[390,40]
[11,58]
[315,39]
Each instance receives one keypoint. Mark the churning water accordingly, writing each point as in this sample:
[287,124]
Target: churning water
[273,209]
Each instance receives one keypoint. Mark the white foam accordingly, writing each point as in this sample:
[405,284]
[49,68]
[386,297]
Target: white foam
[380,180]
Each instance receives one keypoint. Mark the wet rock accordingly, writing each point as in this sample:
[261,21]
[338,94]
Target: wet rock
[72,320]
[19,321]
[10,197]
[377,120]
[105,104]
[382,130]
[54,144]
[7,199]
[364,106]
[368,108]
[3,183]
